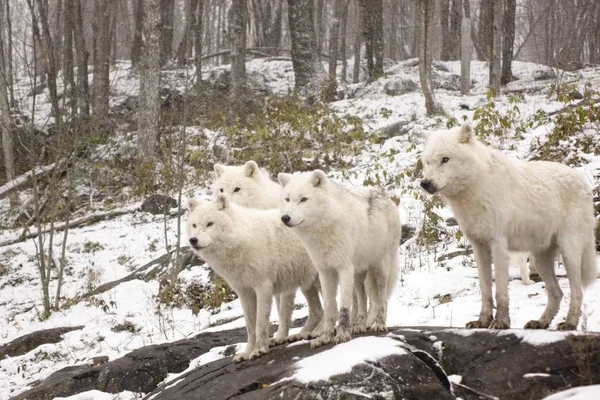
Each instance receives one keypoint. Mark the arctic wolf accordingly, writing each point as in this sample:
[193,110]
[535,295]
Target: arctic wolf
[520,259]
[258,257]
[247,186]
[507,205]
[347,233]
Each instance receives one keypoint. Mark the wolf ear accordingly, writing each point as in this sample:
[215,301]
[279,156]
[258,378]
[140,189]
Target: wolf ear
[192,204]
[222,202]
[219,169]
[251,169]
[318,178]
[466,133]
[283,178]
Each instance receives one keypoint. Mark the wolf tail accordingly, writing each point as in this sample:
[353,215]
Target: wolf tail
[589,267]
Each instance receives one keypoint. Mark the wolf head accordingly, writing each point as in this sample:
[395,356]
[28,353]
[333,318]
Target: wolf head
[304,197]
[242,184]
[209,223]
[451,161]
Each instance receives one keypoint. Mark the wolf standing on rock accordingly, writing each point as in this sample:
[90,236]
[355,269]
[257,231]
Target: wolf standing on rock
[347,234]
[258,257]
[505,205]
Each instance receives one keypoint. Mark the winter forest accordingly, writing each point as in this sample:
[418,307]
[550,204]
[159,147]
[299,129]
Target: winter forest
[114,114]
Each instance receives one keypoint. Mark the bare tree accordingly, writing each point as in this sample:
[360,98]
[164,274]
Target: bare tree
[82,56]
[184,51]
[6,20]
[426,21]
[309,73]
[166,29]
[510,7]
[149,111]
[358,39]
[333,48]
[198,39]
[343,34]
[68,73]
[484,29]
[6,122]
[371,12]
[136,44]
[238,20]
[496,48]
[272,24]
[101,55]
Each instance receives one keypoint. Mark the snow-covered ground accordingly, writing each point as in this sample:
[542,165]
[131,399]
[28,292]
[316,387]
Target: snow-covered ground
[429,292]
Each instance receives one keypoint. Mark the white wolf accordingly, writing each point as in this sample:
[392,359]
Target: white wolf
[258,257]
[247,186]
[507,205]
[347,233]
[519,259]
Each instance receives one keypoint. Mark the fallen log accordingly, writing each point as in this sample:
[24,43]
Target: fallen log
[22,180]
[72,224]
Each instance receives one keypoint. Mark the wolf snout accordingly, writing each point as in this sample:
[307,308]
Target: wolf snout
[194,241]
[428,186]
[285,219]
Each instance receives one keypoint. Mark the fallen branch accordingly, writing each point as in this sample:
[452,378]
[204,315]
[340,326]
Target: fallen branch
[22,180]
[395,129]
[72,224]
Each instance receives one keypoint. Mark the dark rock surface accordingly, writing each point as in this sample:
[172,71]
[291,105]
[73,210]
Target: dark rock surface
[26,343]
[158,204]
[516,364]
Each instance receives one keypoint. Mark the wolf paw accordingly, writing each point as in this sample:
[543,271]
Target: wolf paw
[527,281]
[500,324]
[477,324]
[241,357]
[358,329]
[299,336]
[378,327]
[535,324]
[322,340]
[565,326]
[342,336]
[276,341]
[259,352]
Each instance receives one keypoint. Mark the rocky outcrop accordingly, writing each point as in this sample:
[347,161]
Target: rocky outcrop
[26,343]
[430,364]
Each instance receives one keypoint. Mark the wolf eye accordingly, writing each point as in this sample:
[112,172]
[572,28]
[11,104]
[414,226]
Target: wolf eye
[445,160]
[302,200]
[193,225]
[209,224]
[221,190]
[237,189]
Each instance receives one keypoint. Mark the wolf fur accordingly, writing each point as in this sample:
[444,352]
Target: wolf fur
[347,234]
[259,258]
[507,205]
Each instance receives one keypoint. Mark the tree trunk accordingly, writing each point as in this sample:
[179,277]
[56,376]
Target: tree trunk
[46,52]
[426,20]
[444,18]
[198,40]
[238,21]
[496,48]
[358,45]
[273,29]
[6,123]
[184,52]
[82,56]
[68,73]
[166,29]
[465,55]
[319,25]
[484,30]
[455,29]
[101,82]
[58,30]
[509,40]
[333,49]
[136,44]
[309,73]
[343,52]
[149,111]
[372,28]
[9,52]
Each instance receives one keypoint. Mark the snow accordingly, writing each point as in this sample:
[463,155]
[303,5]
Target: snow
[536,375]
[579,393]
[98,395]
[118,246]
[341,358]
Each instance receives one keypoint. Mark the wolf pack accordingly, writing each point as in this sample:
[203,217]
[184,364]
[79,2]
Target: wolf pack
[268,239]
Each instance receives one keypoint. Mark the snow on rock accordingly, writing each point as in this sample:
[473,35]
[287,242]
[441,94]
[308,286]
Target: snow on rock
[341,358]
[591,392]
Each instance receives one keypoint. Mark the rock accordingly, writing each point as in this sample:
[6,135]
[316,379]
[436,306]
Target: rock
[446,81]
[31,341]
[545,74]
[575,94]
[509,365]
[158,204]
[407,232]
[396,87]
[440,66]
